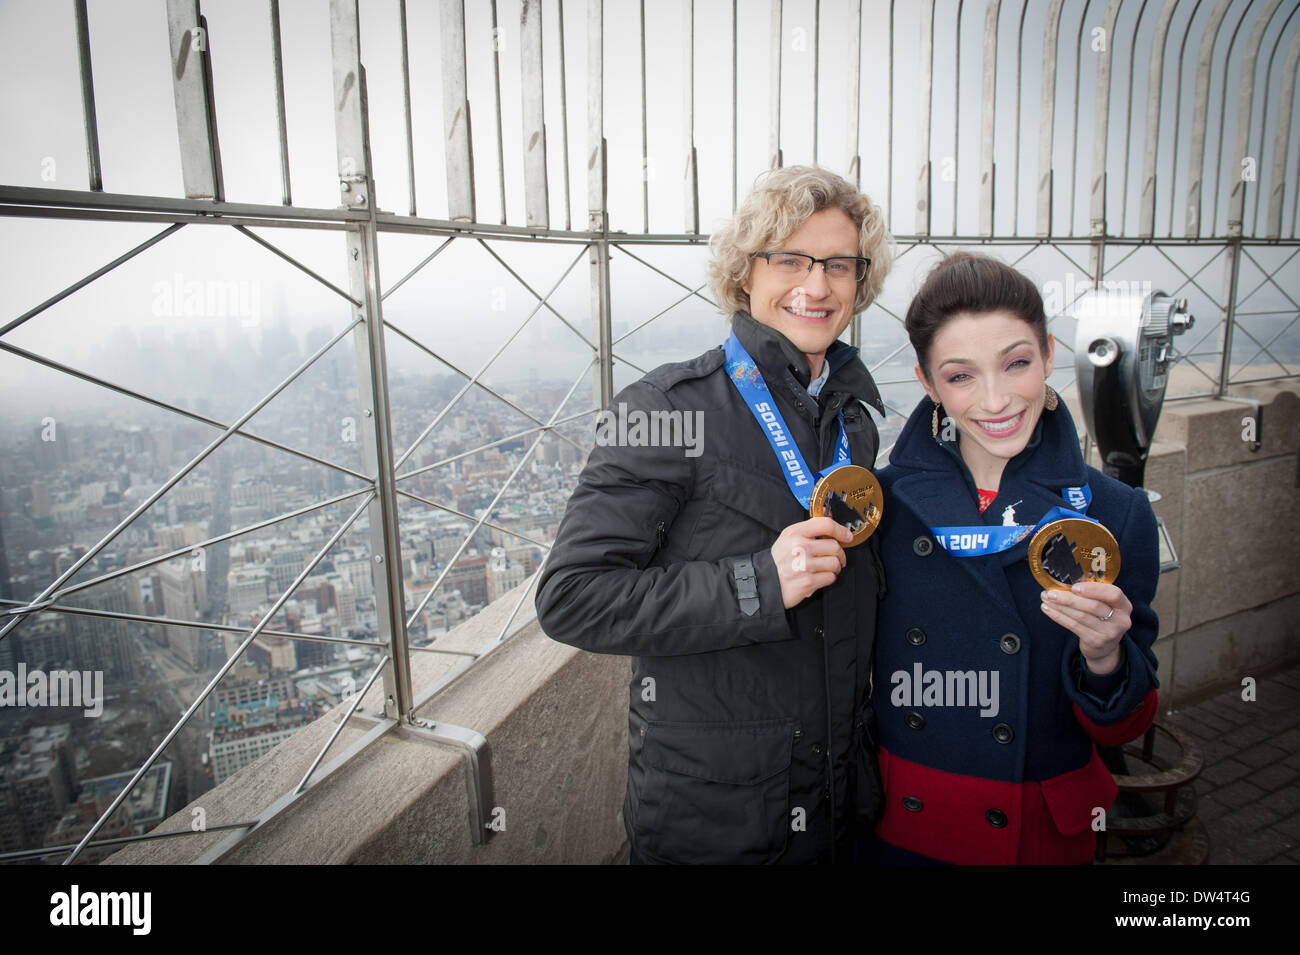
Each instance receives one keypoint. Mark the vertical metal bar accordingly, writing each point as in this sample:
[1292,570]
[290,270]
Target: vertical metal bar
[1268,72]
[603,373]
[596,116]
[1223,126]
[852,135]
[457,131]
[956,113]
[88,97]
[889,129]
[564,125]
[691,176]
[1232,269]
[988,113]
[1155,86]
[923,119]
[536,197]
[406,106]
[735,66]
[1200,111]
[1078,78]
[600,316]
[1128,119]
[854,174]
[497,43]
[277,66]
[1277,186]
[1015,169]
[817,43]
[191,88]
[1245,105]
[1101,119]
[1178,111]
[777,42]
[645,142]
[353,146]
[1047,118]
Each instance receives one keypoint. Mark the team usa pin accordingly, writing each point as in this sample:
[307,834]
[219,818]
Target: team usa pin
[849,495]
[1073,550]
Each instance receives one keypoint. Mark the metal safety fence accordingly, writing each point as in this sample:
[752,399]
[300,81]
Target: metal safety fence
[1086,143]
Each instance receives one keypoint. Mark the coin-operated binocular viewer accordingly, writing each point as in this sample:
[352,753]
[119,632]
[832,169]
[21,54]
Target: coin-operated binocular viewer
[1122,357]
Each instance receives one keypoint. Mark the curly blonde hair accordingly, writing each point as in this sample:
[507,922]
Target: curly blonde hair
[782,199]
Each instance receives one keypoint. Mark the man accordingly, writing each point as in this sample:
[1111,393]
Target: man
[751,626]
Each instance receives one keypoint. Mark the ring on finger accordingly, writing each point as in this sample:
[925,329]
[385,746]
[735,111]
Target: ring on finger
[1108,616]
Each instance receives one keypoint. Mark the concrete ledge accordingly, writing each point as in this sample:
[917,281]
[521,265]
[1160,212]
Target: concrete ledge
[555,720]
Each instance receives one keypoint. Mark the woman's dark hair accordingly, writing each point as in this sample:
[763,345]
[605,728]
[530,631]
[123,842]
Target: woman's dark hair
[965,282]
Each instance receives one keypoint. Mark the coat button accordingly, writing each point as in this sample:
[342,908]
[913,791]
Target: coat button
[923,546]
[1003,733]
[996,818]
[914,719]
[819,749]
[818,632]
[1009,643]
[916,636]
[912,804]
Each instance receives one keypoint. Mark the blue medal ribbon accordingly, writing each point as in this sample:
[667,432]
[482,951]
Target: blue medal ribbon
[748,380]
[979,540]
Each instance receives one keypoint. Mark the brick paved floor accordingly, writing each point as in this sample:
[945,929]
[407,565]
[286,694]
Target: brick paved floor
[1249,790]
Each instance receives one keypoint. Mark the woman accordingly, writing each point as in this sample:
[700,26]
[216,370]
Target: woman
[750,625]
[992,691]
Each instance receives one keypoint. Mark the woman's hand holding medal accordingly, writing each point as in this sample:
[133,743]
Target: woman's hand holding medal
[809,556]
[1098,614]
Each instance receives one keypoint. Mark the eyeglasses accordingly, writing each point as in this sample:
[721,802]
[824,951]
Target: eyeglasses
[838,267]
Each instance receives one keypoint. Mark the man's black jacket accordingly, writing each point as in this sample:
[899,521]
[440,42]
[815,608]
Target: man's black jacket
[741,724]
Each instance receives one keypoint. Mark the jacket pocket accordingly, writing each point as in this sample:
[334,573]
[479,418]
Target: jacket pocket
[1072,797]
[714,792]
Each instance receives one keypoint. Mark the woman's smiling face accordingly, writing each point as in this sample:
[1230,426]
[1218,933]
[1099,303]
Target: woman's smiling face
[989,372]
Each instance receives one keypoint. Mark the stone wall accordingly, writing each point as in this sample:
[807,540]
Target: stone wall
[1233,608]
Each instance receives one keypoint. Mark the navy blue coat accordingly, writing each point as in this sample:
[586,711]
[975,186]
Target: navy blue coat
[1012,777]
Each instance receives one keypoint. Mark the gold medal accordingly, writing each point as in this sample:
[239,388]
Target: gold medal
[849,495]
[1072,550]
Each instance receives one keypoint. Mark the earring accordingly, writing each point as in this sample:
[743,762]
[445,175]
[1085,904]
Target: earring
[934,420]
[1050,400]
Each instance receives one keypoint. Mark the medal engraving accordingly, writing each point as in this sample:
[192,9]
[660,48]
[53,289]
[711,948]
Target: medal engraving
[1072,550]
[849,495]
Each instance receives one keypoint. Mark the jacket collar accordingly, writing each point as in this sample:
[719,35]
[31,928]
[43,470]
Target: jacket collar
[775,355]
[1032,481]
